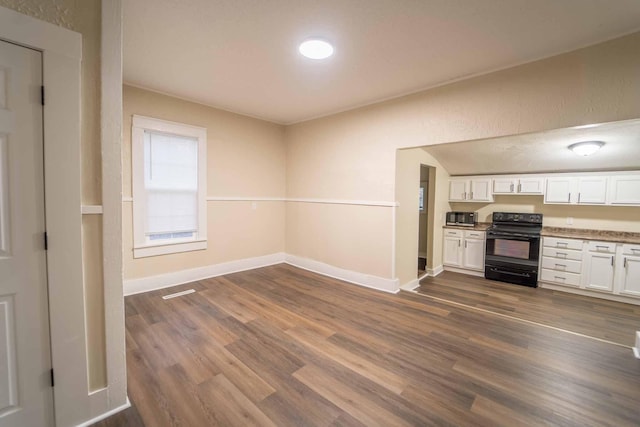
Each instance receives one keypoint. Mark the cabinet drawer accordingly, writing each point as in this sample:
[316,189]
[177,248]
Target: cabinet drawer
[628,249]
[562,253]
[468,234]
[560,243]
[560,277]
[452,233]
[561,265]
[603,247]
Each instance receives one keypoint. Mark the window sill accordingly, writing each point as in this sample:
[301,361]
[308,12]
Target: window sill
[165,249]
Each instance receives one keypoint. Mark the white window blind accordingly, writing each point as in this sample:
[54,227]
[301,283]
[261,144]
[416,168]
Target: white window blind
[171,184]
[169,174]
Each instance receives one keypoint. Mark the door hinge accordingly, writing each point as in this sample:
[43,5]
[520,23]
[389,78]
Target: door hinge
[42,95]
[46,241]
[52,382]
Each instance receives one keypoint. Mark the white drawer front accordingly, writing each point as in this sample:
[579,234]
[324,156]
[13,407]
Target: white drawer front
[474,234]
[628,249]
[603,247]
[560,243]
[452,233]
[560,277]
[562,253]
[562,265]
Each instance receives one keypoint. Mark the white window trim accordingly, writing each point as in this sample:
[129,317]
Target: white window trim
[141,248]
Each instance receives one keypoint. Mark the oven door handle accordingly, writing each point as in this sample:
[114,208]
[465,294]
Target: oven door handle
[497,270]
[511,237]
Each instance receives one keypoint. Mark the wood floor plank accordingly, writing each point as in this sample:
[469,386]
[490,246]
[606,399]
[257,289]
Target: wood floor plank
[287,347]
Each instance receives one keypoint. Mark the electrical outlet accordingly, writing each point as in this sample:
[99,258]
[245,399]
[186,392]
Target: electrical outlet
[569,220]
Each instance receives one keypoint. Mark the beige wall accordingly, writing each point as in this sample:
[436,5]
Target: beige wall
[618,218]
[84,17]
[408,162]
[352,155]
[245,158]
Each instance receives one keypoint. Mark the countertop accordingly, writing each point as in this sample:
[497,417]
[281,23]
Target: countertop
[586,234]
[480,226]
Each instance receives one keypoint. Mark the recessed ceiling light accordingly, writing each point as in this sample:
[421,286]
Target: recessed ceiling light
[316,49]
[586,148]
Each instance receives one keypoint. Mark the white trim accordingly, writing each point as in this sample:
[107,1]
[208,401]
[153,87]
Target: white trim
[39,35]
[465,271]
[106,415]
[91,210]
[173,248]
[62,52]
[433,272]
[346,202]
[245,199]
[111,144]
[578,291]
[161,281]
[376,203]
[636,349]
[394,217]
[357,278]
[414,284]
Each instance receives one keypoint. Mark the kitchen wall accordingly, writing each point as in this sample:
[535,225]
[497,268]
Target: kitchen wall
[617,218]
[245,159]
[352,155]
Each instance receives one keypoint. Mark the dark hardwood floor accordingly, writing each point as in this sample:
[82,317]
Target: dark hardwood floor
[280,346]
[608,320]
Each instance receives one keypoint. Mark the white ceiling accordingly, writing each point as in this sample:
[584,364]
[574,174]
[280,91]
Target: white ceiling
[544,151]
[241,55]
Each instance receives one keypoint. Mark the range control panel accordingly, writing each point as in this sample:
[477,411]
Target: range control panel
[527,218]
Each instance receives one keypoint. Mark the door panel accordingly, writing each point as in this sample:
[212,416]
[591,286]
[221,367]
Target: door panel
[26,396]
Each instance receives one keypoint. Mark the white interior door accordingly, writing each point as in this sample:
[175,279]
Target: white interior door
[26,395]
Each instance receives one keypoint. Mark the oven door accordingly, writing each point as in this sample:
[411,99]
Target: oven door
[512,258]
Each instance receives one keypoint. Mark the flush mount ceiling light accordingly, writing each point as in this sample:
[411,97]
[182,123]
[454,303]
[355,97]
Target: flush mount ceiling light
[586,148]
[315,49]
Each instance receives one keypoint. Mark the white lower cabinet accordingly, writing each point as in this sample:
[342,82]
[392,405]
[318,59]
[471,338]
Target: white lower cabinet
[599,264]
[605,267]
[561,261]
[628,270]
[464,249]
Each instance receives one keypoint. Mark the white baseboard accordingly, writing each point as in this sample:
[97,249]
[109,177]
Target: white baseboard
[465,271]
[636,349]
[414,284]
[161,281]
[433,272]
[374,282]
[595,294]
[105,415]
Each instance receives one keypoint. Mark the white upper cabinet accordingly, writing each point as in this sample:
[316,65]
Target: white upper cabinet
[625,190]
[458,190]
[519,185]
[560,190]
[470,190]
[585,190]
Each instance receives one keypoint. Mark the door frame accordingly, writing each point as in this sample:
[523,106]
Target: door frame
[61,55]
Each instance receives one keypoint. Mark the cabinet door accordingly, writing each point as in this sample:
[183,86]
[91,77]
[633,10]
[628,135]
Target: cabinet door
[504,186]
[474,254]
[530,186]
[599,272]
[452,251]
[481,190]
[559,190]
[458,190]
[592,190]
[625,190]
[630,276]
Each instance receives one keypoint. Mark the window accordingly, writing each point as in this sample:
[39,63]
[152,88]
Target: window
[169,187]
